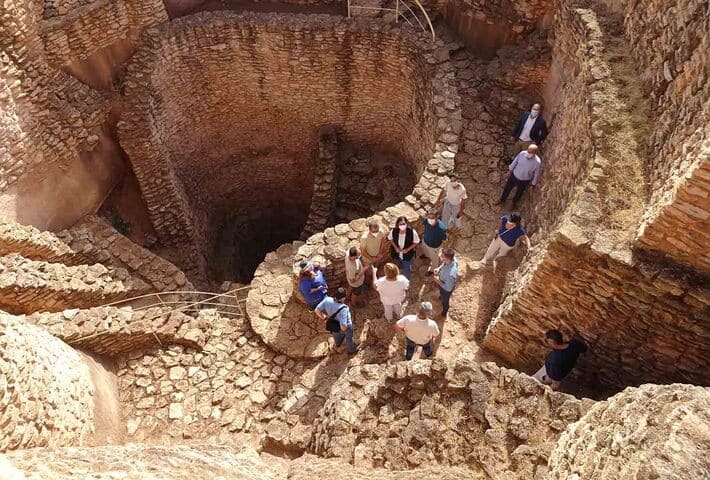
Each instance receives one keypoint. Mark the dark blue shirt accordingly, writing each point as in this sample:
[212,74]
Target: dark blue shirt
[434,236]
[511,236]
[559,363]
[305,284]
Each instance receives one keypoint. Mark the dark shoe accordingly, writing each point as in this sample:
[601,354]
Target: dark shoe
[443,314]
[429,273]
[354,352]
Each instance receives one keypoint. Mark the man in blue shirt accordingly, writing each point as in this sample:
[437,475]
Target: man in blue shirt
[524,171]
[335,307]
[560,361]
[312,284]
[446,276]
[506,237]
[434,236]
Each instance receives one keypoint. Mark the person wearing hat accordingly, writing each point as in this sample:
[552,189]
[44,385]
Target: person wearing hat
[312,284]
[419,329]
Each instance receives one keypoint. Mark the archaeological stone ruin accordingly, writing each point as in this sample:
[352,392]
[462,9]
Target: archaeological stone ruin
[169,167]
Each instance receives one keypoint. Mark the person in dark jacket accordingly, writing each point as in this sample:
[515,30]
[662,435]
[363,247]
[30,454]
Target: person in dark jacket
[531,128]
[403,240]
[560,361]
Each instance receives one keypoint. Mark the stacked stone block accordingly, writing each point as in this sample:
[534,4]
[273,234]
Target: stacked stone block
[112,331]
[672,59]
[46,389]
[643,323]
[358,69]
[28,286]
[325,182]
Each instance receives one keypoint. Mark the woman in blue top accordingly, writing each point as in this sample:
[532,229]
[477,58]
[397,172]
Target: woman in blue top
[507,236]
[312,284]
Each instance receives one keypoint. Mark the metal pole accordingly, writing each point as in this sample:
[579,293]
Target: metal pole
[348,8]
[396,15]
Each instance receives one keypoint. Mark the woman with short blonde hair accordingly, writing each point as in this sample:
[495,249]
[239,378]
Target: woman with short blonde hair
[393,289]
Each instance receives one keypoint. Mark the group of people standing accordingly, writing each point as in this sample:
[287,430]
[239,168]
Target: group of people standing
[392,252]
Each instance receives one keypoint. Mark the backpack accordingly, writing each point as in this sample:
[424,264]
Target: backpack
[332,324]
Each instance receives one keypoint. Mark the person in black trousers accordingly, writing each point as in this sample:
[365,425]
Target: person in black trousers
[524,171]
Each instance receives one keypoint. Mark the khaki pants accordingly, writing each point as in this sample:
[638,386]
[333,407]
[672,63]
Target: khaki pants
[497,248]
[432,254]
[392,310]
[449,215]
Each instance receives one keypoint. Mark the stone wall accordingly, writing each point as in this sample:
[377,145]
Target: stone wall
[616,439]
[358,69]
[36,245]
[671,54]
[326,173]
[112,331]
[50,126]
[46,389]
[99,34]
[95,239]
[406,414]
[28,286]
[643,323]
[487,26]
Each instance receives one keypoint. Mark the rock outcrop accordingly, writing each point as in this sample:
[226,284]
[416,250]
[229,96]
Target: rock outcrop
[654,431]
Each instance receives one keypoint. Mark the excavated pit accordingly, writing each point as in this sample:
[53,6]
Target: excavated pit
[245,134]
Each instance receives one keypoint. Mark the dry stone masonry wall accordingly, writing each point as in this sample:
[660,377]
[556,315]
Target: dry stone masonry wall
[358,68]
[408,414]
[112,331]
[46,389]
[643,323]
[28,286]
[671,51]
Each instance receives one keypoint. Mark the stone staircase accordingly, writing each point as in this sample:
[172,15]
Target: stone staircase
[324,184]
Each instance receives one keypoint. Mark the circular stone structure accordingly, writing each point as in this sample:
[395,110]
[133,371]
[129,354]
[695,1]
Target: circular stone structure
[245,147]
[274,306]
[225,113]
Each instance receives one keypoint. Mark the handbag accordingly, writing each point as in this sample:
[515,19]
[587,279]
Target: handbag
[332,324]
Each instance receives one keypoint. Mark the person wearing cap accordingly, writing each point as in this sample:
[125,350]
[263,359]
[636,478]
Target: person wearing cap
[419,330]
[312,284]
[507,236]
[373,246]
[355,275]
[433,238]
[334,306]
[454,202]
[445,278]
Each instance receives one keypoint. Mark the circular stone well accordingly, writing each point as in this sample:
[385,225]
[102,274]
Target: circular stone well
[224,126]
[224,117]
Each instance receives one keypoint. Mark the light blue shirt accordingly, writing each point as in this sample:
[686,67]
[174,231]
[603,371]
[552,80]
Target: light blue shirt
[525,168]
[448,274]
[329,306]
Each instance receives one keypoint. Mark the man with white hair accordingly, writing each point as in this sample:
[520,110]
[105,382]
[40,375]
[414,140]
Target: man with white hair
[524,171]
[419,330]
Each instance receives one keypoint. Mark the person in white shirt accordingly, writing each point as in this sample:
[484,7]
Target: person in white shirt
[454,202]
[393,290]
[403,241]
[355,275]
[420,330]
